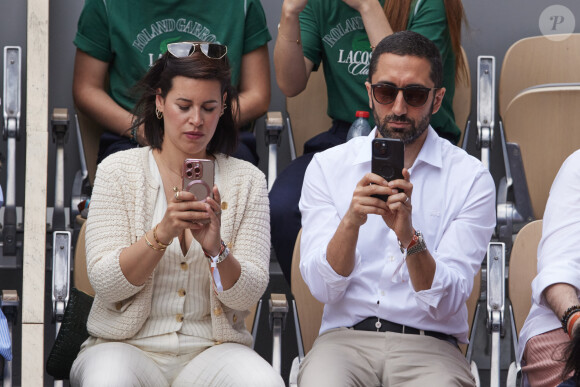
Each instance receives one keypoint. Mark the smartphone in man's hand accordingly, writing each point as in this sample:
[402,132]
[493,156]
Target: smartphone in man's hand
[388,159]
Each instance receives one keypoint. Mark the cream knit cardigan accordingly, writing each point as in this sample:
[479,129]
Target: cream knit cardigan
[121,212]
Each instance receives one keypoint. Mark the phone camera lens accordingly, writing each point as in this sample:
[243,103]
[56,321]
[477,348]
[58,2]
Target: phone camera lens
[197,170]
[188,173]
[188,165]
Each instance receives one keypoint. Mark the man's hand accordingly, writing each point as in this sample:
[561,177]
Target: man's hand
[363,203]
[399,209]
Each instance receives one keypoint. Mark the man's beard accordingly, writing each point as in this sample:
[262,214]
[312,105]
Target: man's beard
[407,135]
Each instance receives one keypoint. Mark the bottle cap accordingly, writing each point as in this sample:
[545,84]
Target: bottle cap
[362,113]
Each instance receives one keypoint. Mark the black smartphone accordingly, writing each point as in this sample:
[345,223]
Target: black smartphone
[388,159]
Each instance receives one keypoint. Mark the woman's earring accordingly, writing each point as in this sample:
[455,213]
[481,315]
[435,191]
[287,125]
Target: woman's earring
[223,109]
[158,114]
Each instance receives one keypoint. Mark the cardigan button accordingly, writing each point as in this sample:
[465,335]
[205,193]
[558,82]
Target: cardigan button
[217,311]
[181,292]
[118,305]
[183,266]
[179,317]
[224,205]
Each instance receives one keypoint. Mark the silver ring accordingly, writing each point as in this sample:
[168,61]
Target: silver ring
[218,212]
[406,200]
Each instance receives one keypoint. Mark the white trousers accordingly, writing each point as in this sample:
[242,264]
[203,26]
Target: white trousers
[121,364]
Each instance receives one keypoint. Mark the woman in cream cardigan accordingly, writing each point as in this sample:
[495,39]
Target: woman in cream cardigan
[174,275]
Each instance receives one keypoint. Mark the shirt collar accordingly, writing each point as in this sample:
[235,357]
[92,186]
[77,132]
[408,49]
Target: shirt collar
[363,151]
[430,153]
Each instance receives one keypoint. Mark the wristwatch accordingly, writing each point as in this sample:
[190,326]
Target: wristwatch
[223,254]
[417,244]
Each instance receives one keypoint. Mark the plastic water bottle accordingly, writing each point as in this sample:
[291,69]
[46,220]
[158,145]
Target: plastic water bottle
[360,126]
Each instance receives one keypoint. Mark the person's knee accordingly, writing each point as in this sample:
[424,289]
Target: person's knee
[114,364]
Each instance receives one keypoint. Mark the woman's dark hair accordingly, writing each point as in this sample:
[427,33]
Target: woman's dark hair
[397,13]
[572,359]
[197,66]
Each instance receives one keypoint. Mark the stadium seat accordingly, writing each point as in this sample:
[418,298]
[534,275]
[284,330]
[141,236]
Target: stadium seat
[522,270]
[307,113]
[538,60]
[462,100]
[545,122]
[90,134]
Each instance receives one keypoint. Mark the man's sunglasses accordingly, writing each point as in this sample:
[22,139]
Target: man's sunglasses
[415,96]
[185,49]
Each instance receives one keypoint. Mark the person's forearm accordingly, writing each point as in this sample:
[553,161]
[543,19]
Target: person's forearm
[254,87]
[376,24]
[560,297]
[252,106]
[421,268]
[291,73]
[230,271]
[138,261]
[340,252]
[100,107]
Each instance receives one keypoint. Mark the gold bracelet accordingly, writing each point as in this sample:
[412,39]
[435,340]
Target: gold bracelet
[150,245]
[164,245]
[286,39]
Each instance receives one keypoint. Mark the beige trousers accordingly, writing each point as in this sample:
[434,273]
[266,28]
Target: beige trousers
[345,357]
[124,365]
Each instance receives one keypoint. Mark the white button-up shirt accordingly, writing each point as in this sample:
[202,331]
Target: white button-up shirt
[453,206]
[558,251]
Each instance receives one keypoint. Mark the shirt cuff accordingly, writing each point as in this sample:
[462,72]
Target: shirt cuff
[331,277]
[430,298]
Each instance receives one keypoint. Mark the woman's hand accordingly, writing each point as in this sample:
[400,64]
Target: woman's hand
[208,233]
[185,211]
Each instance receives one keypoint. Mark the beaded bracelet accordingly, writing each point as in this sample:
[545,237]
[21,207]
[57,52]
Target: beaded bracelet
[572,320]
[222,248]
[567,314]
[134,136]
[163,245]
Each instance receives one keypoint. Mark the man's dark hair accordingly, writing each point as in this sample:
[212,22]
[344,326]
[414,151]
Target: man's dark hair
[410,43]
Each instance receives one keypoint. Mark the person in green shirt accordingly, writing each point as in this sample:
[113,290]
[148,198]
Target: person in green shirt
[117,42]
[341,36]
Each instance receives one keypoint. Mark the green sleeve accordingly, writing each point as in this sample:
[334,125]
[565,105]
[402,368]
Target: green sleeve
[256,32]
[310,35]
[93,31]
[427,17]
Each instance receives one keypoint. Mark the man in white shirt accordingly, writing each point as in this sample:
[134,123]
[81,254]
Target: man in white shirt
[394,276]
[555,312]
